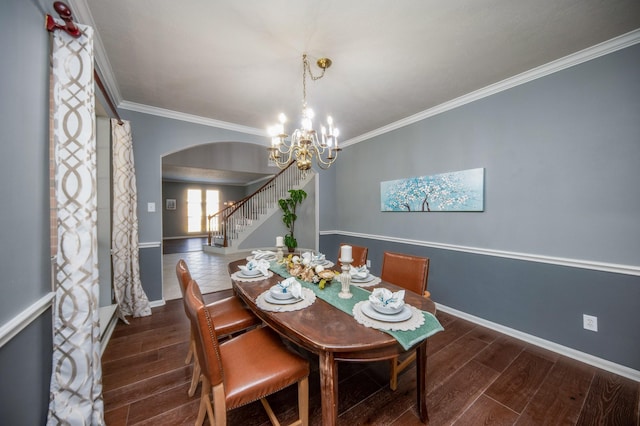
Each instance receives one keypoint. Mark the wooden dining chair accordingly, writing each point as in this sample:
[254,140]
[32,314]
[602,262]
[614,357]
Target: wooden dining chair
[358,253]
[244,369]
[411,273]
[230,314]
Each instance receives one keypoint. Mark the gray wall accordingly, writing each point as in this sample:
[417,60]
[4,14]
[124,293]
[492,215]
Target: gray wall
[24,222]
[561,155]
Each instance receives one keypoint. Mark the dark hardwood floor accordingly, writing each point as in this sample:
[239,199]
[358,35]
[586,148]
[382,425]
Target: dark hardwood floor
[476,377]
[183,245]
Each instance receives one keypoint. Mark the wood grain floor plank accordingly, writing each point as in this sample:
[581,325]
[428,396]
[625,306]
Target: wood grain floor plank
[501,353]
[450,359]
[454,396]
[561,396]
[485,411]
[612,400]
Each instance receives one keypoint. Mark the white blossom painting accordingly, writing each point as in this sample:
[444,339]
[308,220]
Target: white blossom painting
[461,191]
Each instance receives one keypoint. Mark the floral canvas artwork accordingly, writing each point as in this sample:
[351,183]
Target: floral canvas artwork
[445,192]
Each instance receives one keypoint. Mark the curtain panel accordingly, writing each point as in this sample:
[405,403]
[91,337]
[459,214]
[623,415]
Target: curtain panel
[76,380]
[129,294]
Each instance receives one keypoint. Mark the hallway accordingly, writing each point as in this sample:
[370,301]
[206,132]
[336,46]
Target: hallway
[208,269]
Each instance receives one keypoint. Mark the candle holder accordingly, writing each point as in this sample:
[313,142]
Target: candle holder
[345,279]
[279,253]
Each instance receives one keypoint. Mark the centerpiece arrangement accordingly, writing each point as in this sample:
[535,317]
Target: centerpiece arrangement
[305,269]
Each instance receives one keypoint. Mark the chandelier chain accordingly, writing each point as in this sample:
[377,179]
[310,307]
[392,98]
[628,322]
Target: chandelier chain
[306,67]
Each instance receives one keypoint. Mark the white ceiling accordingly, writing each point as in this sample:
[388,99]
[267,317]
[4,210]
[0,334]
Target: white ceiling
[239,62]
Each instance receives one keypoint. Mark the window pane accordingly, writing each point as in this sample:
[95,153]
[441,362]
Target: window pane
[194,210]
[212,206]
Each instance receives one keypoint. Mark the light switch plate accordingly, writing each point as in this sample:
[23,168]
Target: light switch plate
[151,207]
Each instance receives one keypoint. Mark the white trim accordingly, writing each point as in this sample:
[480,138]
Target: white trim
[529,257]
[152,244]
[618,369]
[24,318]
[176,115]
[577,58]
[157,303]
[108,320]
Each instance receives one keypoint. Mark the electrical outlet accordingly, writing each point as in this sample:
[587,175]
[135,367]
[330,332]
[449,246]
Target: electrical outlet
[368,263]
[590,322]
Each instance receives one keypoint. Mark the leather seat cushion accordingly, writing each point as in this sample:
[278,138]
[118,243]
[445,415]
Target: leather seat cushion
[230,315]
[258,359]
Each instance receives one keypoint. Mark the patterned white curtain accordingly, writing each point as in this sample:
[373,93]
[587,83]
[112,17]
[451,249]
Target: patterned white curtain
[76,379]
[127,286]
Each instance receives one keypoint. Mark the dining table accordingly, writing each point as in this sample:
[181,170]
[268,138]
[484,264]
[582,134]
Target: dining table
[334,335]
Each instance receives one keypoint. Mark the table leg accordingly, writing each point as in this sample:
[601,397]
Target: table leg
[421,381]
[329,388]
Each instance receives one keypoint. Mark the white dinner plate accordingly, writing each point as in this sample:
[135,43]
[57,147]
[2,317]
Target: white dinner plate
[243,275]
[269,298]
[403,315]
[277,292]
[363,280]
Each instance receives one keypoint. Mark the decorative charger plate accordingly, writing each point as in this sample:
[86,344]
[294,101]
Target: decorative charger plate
[415,320]
[368,282]
[267,303]
[239,276]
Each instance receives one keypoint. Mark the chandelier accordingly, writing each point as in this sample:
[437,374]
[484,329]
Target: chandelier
[305,142]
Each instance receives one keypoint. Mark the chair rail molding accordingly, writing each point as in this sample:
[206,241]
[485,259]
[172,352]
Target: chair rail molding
[24,318]
[562,261]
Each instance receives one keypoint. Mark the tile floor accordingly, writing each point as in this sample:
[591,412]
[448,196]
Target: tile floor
[208,269]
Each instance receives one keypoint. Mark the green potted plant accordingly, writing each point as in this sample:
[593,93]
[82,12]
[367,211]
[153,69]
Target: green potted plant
[288,206]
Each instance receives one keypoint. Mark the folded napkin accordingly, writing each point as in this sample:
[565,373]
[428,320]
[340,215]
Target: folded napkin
[318,258]
[359,272]
[293,286]
[261,265]
[306,258]
[262,254]
[385,298]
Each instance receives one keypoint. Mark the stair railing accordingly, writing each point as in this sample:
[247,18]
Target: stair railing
[236,218]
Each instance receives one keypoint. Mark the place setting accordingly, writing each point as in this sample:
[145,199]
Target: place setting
[361,277]
[254,270]
[387,310]
[316,259]
[267,255]
[286,296]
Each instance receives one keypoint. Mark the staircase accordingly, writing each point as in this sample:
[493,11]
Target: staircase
[237,222]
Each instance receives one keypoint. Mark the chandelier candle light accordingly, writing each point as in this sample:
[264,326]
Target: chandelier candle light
[304,143]
[345,278]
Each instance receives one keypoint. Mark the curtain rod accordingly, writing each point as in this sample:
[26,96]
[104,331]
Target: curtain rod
[72,29]
[65,14]
[107,97]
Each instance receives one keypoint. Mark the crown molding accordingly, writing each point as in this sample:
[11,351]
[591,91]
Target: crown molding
[593,52]
[175,115]
[82,11]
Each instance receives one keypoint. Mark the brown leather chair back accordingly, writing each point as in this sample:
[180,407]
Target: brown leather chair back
[183,274]
[358,253]
[405,270]
[206,339]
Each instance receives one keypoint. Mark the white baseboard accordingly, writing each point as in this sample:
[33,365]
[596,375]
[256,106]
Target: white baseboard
[157,303]
[612,367]
[108,321]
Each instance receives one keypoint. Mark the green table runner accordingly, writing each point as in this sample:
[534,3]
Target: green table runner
[330,295]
